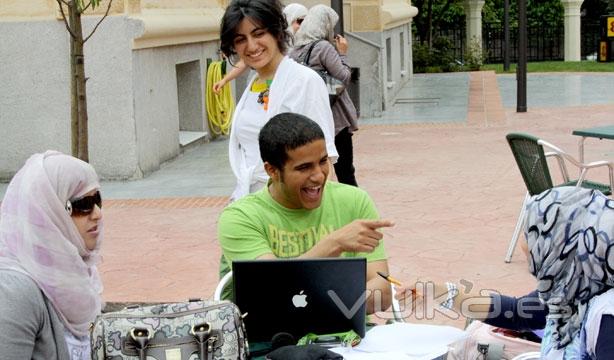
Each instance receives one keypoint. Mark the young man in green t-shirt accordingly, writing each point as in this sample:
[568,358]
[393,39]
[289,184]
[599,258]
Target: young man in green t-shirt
[300,214]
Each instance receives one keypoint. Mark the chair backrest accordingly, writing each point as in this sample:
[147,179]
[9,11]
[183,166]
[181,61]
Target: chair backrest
[531,161]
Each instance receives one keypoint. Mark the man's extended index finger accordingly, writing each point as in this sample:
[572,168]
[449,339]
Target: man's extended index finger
[376,224]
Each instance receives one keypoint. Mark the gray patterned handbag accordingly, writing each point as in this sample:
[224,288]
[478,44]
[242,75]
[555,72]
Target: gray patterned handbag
[194,330]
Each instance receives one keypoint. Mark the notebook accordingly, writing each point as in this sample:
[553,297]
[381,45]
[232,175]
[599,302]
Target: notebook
[300,296]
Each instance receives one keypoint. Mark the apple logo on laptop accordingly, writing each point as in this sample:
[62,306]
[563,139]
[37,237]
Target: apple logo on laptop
[299,300]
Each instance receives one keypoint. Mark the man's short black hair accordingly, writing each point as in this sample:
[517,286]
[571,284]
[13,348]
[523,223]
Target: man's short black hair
[267,14]
[285,132]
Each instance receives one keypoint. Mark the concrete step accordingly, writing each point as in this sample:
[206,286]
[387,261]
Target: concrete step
[188,139]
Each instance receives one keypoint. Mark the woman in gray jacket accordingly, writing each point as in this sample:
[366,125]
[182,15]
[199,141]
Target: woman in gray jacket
[316,38]
[50,234]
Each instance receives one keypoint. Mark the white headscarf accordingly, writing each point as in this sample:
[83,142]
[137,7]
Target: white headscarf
[319,24]
[38,237]
[293,12]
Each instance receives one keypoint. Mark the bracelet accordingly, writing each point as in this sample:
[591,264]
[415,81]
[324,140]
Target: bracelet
[452,292]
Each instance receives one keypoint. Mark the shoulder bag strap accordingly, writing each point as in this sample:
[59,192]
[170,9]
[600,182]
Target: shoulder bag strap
[308,55]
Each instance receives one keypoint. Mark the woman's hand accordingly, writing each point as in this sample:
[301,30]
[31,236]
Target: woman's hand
[217,87]
[422,298]
[342,44]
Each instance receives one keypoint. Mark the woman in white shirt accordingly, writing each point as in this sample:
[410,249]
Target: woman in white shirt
[254,31]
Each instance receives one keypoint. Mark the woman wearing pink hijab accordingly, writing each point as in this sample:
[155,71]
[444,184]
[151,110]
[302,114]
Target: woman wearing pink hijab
[50,235]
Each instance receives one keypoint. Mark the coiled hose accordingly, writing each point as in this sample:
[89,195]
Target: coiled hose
[220,107]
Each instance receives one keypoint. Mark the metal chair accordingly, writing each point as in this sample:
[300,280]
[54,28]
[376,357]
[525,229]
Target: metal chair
[397,312]
[533,355]
[396,307]
[532,161]
[217,295]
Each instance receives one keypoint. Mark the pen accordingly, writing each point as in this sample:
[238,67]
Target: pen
[389,278]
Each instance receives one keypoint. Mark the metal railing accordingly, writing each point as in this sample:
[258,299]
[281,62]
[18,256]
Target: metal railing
[545,43]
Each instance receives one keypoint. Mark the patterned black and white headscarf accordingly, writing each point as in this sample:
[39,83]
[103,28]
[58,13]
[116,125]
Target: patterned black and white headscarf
[570,234]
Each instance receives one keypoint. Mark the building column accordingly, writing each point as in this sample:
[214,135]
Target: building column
[473,16]
[572,29]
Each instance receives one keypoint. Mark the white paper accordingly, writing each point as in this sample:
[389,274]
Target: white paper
[351,354]
[402,341]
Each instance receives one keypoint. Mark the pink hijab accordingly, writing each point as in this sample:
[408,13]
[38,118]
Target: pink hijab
[38,237]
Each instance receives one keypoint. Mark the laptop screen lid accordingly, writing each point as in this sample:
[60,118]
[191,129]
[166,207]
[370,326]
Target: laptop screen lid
[300,296]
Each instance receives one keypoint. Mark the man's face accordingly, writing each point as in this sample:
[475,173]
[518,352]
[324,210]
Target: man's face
[299,184]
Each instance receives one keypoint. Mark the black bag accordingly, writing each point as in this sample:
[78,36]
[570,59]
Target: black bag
[334,86]
[303,352]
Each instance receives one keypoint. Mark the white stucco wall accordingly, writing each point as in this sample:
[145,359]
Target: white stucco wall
[156,102]
[367,50]
[35,95]
[366,55]
[112,133]
[400,72]
[132,94]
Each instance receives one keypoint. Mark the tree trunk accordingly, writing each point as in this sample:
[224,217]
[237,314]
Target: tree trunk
[79,78]
[429,26]
[74,115]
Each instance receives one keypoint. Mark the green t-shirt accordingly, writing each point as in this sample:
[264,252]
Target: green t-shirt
[257,224]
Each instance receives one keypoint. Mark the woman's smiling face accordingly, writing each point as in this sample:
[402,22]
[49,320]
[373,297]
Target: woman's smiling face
[256,46]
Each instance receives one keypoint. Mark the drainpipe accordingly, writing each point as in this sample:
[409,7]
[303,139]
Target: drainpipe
[337,5]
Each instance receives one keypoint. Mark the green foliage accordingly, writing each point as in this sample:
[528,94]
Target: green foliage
[492,12]
[443,13]
[432,69]
[475,55]
[81,5]
[440,58]
[593,9]
[421,57]
[556,66]
[549,13]
[451,14]
[454,14]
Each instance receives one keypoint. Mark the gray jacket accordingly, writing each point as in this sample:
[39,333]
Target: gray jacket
[324,56]
[29,325]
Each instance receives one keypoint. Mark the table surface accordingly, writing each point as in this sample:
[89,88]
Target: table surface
[601,132]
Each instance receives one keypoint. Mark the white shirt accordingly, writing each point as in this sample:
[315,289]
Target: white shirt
[78,347]
[249,122]
[295,88]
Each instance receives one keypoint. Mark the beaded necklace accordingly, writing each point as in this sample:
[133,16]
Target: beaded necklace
[262,88]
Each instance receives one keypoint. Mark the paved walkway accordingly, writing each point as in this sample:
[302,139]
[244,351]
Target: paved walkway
[443,172]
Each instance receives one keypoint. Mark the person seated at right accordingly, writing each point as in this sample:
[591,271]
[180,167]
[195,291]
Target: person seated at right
[300,214]
[570,238]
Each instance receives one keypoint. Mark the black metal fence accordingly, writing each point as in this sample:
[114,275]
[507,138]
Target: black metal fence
[545,43]
[457,38]
[590,39]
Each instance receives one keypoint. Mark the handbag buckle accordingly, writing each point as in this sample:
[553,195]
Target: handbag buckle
[201,331]
[141,336]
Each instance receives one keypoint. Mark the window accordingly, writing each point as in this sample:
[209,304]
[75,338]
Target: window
[402,48]
[389,59]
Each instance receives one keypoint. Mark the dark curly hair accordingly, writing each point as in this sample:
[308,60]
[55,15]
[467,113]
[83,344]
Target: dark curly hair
[264,13]
[286,132]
